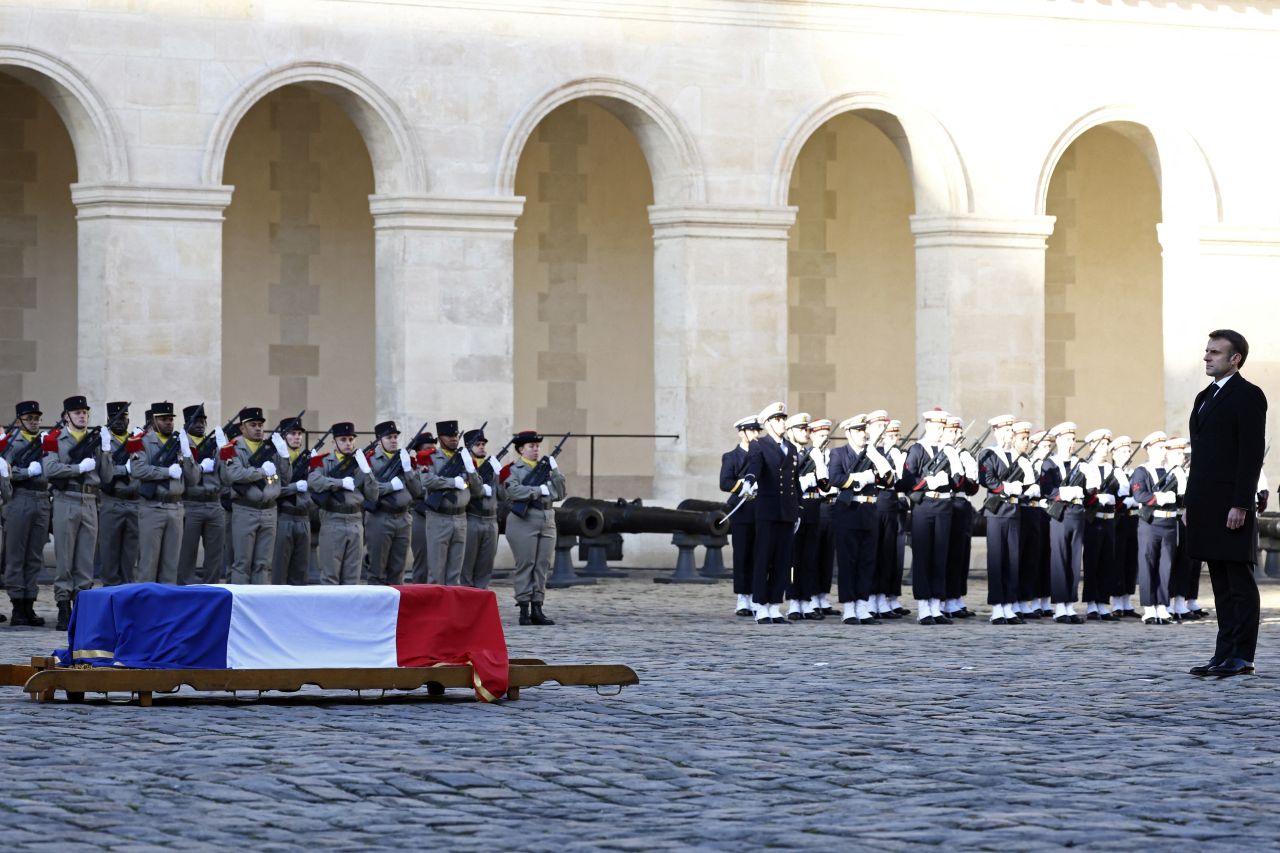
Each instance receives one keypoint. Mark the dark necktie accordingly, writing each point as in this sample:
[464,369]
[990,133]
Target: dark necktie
[1207,400]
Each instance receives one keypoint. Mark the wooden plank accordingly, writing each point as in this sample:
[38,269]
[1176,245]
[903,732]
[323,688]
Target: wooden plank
[15,674]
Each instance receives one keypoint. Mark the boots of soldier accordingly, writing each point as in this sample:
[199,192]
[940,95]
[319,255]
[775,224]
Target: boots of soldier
[32,618]
[538,617]
[19,618]
[524,613]
[64,616]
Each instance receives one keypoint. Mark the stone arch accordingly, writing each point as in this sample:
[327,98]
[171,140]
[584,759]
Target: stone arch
[1188,186]
[101,155]
[938,176]
[398,164]
[674,162]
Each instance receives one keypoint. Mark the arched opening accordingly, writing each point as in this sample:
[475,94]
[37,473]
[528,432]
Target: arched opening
[584,293]
[38,251]
[851,269]
[1104,359]
[298,261]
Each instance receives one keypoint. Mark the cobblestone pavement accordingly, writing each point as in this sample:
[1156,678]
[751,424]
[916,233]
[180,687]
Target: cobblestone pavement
[811,735]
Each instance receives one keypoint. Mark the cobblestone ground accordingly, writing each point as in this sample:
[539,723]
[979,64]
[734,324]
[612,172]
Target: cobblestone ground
[812,735]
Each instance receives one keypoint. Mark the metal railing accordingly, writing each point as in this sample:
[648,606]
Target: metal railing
[591,449]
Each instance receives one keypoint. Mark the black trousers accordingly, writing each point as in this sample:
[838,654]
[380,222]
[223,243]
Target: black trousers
[1099,560]
[930,537]
[1157,542]
[1126,554]
[857,538]
[771,564]
[959,548]
[826,549]
[743,537]
[1003,551]
[1044,586]
[1066,552]
[1186,571]
[1235,595]
[806,546]
[1029,550]
[888,577]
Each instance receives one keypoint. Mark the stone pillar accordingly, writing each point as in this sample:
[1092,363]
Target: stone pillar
[150,293]
[720,333]
[444,270]
[980,314]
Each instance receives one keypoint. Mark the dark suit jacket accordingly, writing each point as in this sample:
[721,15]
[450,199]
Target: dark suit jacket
[732,466]
[778,477]
[1227,440]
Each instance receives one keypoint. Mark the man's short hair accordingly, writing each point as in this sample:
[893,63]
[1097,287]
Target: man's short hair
[1237,341]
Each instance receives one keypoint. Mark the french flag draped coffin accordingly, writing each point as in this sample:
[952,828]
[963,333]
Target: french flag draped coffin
[155,626]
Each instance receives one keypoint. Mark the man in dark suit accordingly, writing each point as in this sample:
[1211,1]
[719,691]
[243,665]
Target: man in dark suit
[1228,420]
[772,463]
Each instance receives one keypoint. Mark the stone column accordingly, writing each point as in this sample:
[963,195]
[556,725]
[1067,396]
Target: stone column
[980,314]
[720,333]
[444,270]
[150,293]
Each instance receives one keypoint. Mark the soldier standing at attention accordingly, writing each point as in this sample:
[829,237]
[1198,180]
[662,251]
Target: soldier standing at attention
[960,547]
[773,468]
[1126,531]
[340,487]
[1099,562]
[387,526]
[532,537]
[293,520]
[421,449]
[27,523]
[929,469]
[1063,485]
[482,514]
[819,436]
[203,519]
[118,514]
[446,524]
[742,525]
[1003,479]
[161,487]
[891,513]
[75,461]
[813,479]
[251,470]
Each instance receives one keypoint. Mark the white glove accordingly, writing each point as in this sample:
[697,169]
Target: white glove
[396,484]
[953,457]
[362,462]
[128,467]
[970,466]
[555,466]
[35,469]
[175,471]
[937,481]
[1092,477]
[405,465]
[184,442]
[1130,503]
[1025,464]
[864,478]
[459,483]
[1070,493]
[87,465]
[808,481]
[1032,491]
[349,484]
[1181,477]
[495,465]
[269,468]
[4,467]
[488,490]
[1166,498]
[820,467]
[219,437]
[1105,499]
[206,465]
[105,435]
[1013,488]
[1122,480]
[546,492]
[881,464]
[278,442]
[301,486]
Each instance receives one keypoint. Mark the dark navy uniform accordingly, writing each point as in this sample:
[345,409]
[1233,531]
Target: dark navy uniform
[773,465]
[1003,478]
[1157,538]
[929,470]
[1066,532]
[857,531]
[742,526]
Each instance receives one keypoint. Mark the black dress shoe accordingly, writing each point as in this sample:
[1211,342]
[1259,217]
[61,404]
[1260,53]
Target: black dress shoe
[1203,669]
[1191,616]
[1093,616]
[1107,617]
[1030,614]
[1132,614]
[928,620]
[1176,618]
[1150,620]
[828,611]
[851,620]
[1015,619]
[795,616]
[1000,621]
[816,615]
[902,611]
[744,611]
[1231,666]
[889,614]
[962,613]
[942,620]
[1075,619]
[871,620]
[778,620]
[764,620]
[1063,620]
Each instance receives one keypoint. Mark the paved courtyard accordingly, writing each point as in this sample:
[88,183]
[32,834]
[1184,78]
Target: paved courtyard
[815,735]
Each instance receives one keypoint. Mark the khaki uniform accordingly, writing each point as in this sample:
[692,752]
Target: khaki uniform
[532,538]
[482,528]
[26,521]
[445,529]
[204,521]
[340,550]
[118,520]
[253,513]
[293,526]
[386,524]
[159,509]
[75,509]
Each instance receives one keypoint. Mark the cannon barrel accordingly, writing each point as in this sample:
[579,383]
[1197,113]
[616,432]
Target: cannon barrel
[624,517]
[695,505]
[1269,525]
[585,521]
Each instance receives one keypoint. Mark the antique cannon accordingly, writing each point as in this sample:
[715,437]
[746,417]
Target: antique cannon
[634,517]
[699,523]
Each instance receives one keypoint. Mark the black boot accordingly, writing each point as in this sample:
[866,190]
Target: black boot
[540,618]
[524,613]
[64,616]
[19,613]
[32,618]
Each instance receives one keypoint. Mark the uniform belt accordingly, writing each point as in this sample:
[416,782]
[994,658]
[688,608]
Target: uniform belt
[30,486]
[451,510]
[863,499]
[395,513]
[471,514]
[1165,513]
[817,497]
[939,495]
[245,502]
[299,511]
[344,509]
[165,499]
[202,500]
[1105,516]
[84,488]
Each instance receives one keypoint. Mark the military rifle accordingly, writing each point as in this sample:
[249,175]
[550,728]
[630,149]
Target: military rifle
[267,447]
[492,462]
[977,442]
[538,477]
[455,467]
[169,453]
[901,442]
[302,464]
[81,449]
[209,444]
